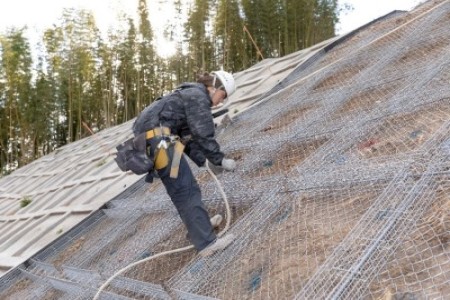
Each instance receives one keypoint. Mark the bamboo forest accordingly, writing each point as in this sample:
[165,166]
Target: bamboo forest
[77,80]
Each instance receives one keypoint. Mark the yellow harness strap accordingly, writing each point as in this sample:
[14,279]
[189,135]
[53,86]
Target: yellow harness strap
[161,153]
[158,131]
[161,158]
[177,153]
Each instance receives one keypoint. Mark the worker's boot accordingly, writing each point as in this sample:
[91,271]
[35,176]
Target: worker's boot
[217,245]
[216,221]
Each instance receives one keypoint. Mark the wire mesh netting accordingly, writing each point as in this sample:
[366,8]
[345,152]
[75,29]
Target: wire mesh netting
[342,190]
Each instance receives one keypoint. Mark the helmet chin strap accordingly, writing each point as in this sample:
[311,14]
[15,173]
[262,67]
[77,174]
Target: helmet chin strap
[214,82]
[212,93]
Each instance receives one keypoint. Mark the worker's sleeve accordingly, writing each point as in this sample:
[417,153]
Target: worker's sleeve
[195,153]
[201,125]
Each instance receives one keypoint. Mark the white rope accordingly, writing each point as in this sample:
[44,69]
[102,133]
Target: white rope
[227,226]
[225,200]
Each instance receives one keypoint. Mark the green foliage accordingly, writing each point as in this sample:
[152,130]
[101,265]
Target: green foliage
[25,201]
[294,24]
[146,76]
[230,36]
[82,82]
[198,37]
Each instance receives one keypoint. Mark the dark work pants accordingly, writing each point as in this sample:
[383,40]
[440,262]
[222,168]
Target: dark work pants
[186,196]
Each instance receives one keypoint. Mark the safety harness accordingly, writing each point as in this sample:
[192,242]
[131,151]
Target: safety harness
[162,156]
[135,154]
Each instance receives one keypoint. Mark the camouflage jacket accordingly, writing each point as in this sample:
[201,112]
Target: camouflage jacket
[187,112]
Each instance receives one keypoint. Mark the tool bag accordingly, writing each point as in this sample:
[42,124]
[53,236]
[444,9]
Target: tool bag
[132,155]
[135,154]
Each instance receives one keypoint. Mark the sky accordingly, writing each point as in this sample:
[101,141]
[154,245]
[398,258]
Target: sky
[365,11]
[38,15]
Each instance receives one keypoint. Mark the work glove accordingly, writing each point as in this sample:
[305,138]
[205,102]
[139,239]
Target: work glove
[228,164]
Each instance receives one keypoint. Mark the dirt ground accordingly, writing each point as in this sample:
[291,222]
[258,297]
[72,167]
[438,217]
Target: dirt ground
[379,27]
[17,289]
[290,116]
[290,155]
[420,267]
[340,78]
[296,241]
[366,100]
[20,285]
[403,133]
[160,270]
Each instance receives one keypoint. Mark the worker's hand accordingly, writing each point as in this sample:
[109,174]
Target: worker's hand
[228,164]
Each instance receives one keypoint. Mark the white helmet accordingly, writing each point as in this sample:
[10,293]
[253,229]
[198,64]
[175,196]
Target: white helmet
[227,81]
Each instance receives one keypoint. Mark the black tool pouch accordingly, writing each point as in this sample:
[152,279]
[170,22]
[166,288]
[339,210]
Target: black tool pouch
[132,155]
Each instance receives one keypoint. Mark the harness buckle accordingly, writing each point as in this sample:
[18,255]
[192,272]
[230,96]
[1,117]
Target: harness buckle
[163,144]
[174,138]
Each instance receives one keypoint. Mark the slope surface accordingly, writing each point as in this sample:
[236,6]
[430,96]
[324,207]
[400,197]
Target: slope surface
[342,189]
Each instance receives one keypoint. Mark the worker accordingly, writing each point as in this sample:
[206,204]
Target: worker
[182,122]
